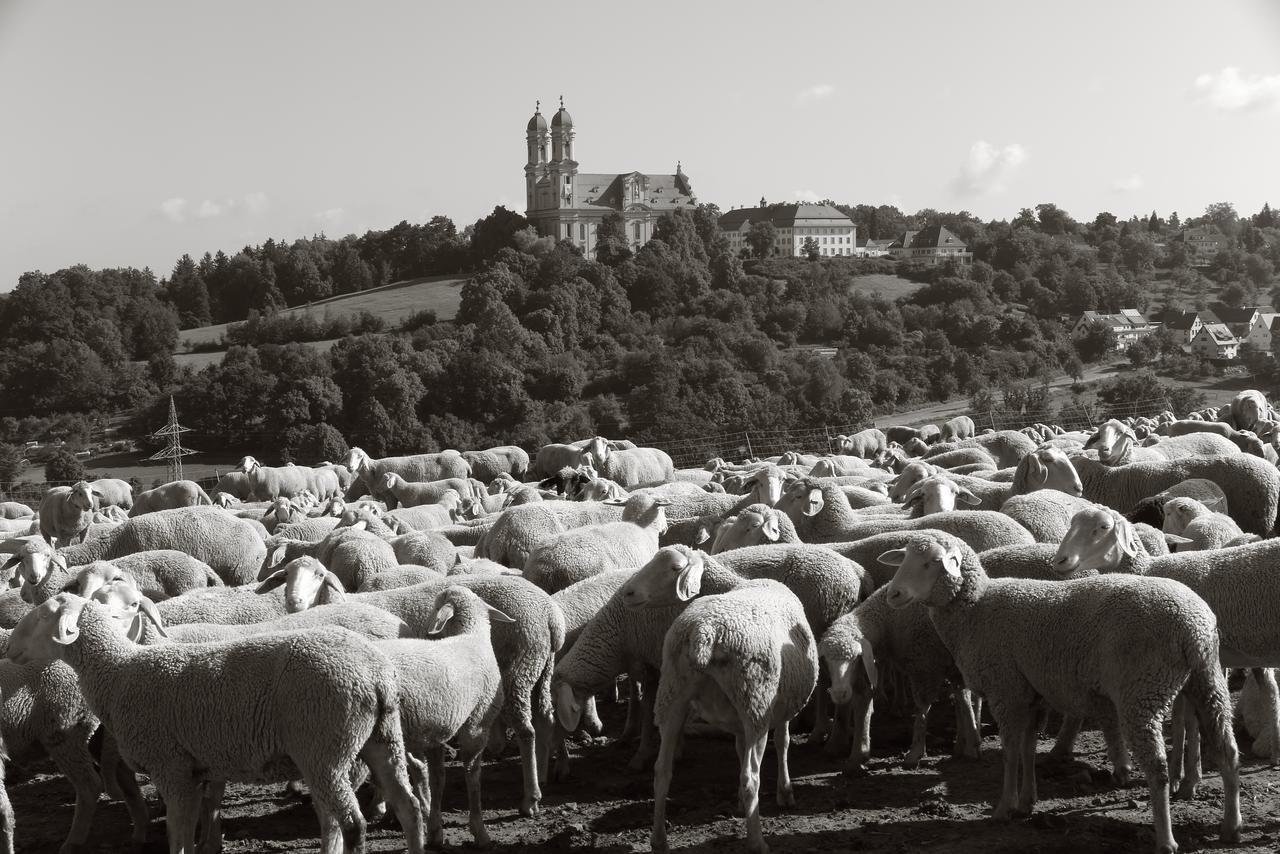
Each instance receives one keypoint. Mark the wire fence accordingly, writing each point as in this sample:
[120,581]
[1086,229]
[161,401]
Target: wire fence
[1071,416]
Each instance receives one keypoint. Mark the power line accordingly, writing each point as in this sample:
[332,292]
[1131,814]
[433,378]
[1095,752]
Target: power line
[173,451]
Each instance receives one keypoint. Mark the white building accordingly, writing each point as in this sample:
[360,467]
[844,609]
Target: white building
[1215,341]
[834,232]
[1262,333]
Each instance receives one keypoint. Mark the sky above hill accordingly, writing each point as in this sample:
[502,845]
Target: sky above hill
[137,130]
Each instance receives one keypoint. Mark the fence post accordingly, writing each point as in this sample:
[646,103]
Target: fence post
[750,453]
[991,416]
[826,431]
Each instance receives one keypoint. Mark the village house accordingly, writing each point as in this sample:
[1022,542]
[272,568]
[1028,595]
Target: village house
[1262,334]
[934,244]
[1205,242]
[834,232]
[1185,323]
[1239,320]
[868,248]
[1215,341]
[1128,325]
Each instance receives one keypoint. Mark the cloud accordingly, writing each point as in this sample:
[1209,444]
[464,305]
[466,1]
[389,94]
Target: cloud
[175,209]
[808,196]
[816,92]
[988,169]
[178,209]
[1232,90]
[330,218]
[1128,185]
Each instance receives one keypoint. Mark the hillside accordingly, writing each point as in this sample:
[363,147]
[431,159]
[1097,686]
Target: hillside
[393,303]
[890,286]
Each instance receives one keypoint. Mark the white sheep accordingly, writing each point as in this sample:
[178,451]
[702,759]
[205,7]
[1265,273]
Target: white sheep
[113,492]
[865,443]
[179,493]
[746,658]
[1133,643]
[235,484]
[267,483]
[1116,445]
[562,559]
[174,720]
[1192,526]
[526,648]
[514,534]
[414,469]
[66,513]
[398,491]
[490,463]
[159,575]
[15,510]
[629,468]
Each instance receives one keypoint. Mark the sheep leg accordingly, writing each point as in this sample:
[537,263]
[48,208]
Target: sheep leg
[863,707]
[435,775]
[385,755]
[751,757]
[1266,679]
[560,751]
[1064,747]
[919,726]
[1013,723]
[968,744]
[544,719]
[644,755]
[673,721]
[419,782]
[1184,765]
[781,745]
[1118,752]
[1147,742]
[334,800]
[471,754]
[591,723]
[822,723]
[635,716]
[1209,696]
[72,758]
[1027,788]
[838,742]
[210,835]
[182,811]
[6,818]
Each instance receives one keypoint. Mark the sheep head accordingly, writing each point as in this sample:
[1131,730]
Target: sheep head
[126,604]
[1114,441]
[672,576]
[925,562]
[248,464]
[1099,538]
[1180,512]
[45,631]
[757,525]
[306,583]
[34,559]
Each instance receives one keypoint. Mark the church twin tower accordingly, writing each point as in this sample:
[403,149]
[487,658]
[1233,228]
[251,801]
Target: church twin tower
[568,205]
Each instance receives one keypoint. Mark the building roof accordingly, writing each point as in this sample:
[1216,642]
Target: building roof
[562,117]
[593,190]
[1180,320]
[1268,318]
[1203,232]
[537,123]
[1128,318]
[1227,314]
[785,216]
[1219,333]
[869,243]
[932,237]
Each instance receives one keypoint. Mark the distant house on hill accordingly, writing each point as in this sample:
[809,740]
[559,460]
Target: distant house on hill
[1128,325]
[1262,334]
[1204,241]
[868,248]
[1185,323]
[835,232]
[1215,341]
[1238,320]
[934,244]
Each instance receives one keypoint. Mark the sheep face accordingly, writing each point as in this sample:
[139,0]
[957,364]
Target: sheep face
[672,576]
[912,474]
[224,500]
[126,604]
[767,485]
[844,672]
[306,584]
[803,498]
[1099,538]
[938,495]
[921,566]
[82,496]
[1047,468]
[1179,513]
[248,464]
[755,526]
[41,635]
[643,510]
[94,576]
[1114,441]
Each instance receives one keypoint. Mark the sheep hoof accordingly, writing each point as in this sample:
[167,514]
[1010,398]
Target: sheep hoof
[530,809]
[786,797]
[1185,792]
[1230,833]
[856,768]
[912,760]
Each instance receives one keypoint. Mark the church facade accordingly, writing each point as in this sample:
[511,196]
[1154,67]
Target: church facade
[570,205]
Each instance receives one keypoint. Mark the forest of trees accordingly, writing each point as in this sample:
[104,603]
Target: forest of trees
[680,338]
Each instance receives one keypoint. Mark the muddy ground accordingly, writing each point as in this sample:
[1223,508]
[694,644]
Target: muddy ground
[943,806]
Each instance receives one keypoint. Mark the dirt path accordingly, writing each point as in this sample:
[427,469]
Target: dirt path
[942,806]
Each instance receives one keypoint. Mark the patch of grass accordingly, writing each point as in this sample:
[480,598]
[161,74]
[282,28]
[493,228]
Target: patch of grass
[393,303]
[891,286]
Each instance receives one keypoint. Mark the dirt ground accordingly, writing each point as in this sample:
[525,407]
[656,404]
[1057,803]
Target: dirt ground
[944,805]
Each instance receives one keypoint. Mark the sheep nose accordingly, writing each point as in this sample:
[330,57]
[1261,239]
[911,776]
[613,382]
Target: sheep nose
[840,695]
[1065,562]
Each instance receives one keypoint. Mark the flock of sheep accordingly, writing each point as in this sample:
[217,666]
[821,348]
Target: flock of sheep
[410,604]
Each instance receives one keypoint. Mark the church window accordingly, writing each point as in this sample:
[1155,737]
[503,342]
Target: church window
[582,231]
[637,231]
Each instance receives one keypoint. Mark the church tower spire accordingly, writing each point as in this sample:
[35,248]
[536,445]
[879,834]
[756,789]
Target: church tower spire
[563,167]
[536,137]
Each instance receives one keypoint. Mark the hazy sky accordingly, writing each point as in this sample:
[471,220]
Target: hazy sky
[136,130]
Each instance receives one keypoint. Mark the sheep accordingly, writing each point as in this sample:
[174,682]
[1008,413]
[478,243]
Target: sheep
[840,466]
[1251,485]
[526,648]
[414,469]
[450,689]
[821,514]
[15,510]
[179,493]
[235,484]
[110,514]
[478,508]
[397,491]
[1237,583]
[43,711]
[155,697]
[1047,514]
[756,525]
[1245,410]
[629,468]
[113,492]
[1114,442]
[1246,441]
[514,534]
[559,560]
[158,575]
[504,459]
[311,529]
[425,517]
[880,637]
[269,483]
[747,659]
[960,427]
[553,457]
[937,494]
[1008,447]
[865,443]
[231,606]
[1192,526]
[900,434]
[66,513]
[1151,510]
[12,608]
[974,457]
[601,489]
[405,575]
[1133,644]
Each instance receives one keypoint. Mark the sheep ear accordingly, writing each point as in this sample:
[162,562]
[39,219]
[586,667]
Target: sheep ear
[968,497]
[614,502]
[1173,541]
[701,536]
[148,609]
[11,562]
[894,557]
[951,562]
[361,525]
[1212,503]
[770,529]
[67,630]
[568,707]
[869,662]
[689,582]
[1126,535]
[815,503]
[1093,440]
[335,584]
[496,616]
[443,616]
[272,581]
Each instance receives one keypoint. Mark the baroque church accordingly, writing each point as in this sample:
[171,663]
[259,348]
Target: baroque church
[569,205]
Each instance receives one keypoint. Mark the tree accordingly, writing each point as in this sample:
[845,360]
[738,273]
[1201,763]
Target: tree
[495,232]
[64,467]
[612,247]
[10,463]
[1223,215]
[760,237]
[811,249]
[189,294]
[1097,341]
[1174,222]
